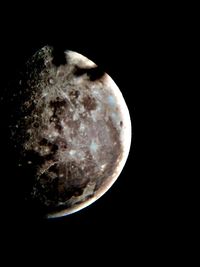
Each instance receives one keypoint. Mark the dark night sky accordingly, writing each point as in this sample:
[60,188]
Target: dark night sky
[132,210]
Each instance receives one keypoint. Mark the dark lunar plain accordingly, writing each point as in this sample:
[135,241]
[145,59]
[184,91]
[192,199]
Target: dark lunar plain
[130,217]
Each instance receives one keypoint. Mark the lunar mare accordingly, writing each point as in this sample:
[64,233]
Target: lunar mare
[71,130]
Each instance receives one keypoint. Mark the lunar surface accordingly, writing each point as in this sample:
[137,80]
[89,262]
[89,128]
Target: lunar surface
[70,131]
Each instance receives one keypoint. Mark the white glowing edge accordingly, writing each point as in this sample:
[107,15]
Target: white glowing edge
[125,137]
[78,59]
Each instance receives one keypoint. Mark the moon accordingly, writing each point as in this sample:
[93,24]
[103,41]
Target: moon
[71,131]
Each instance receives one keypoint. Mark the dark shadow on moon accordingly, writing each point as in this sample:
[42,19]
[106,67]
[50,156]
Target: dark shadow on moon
[59,57]
[93,73]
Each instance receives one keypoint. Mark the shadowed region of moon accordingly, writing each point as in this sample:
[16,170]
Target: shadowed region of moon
[70,131]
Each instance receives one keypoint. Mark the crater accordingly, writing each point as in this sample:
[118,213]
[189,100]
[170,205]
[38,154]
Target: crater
[89,103]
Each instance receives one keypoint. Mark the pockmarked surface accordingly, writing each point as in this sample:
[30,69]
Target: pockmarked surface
[71,129]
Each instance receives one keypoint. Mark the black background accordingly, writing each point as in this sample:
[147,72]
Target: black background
[132,216]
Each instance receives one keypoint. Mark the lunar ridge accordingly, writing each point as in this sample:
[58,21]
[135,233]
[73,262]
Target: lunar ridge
[71,131]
